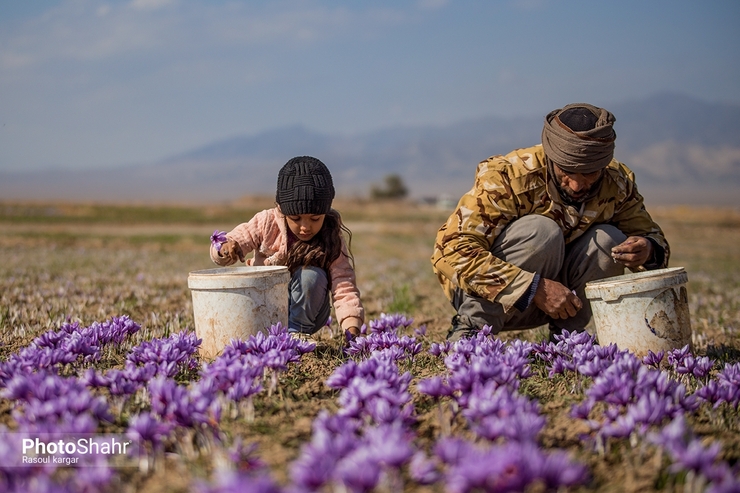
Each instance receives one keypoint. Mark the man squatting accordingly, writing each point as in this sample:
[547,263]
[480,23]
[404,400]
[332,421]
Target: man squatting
[541,222]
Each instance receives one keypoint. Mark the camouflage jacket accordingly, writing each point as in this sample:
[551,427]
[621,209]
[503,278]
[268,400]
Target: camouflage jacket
[516,185]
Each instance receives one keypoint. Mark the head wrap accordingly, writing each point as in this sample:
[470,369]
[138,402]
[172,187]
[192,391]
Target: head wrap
[304,186]
[579,138]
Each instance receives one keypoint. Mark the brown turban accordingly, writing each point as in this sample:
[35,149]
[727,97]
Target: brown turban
[582,141]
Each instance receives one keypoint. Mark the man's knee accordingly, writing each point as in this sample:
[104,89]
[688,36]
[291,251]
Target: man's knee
[539,230]
[607,236]
[534,243]
[589,257]
[603,238]
[528,237]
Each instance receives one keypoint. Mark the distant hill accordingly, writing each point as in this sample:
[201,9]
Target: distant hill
[682,150]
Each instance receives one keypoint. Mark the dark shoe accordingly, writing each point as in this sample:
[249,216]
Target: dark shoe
[554,331]
[459,330]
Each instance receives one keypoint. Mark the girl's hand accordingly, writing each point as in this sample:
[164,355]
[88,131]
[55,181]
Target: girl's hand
[231,250]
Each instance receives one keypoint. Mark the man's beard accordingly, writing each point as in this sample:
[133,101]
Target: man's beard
[566,197]
[569,199]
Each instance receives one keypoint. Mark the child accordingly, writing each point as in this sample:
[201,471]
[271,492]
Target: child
[305,234]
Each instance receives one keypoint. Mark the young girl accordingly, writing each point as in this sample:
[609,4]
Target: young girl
[303,233]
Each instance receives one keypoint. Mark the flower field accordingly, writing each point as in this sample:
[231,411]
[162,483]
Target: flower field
[97,338]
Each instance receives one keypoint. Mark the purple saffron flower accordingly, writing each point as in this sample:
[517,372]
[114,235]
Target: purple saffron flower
[702,367]
[509,467]
[244,456]
[333,438]
[148,428]
[694,456]
[434,387]
[342,375]
[451,450]
[358,472]
[653,359]
[423,470]
[218,238]
[558,471]
[389,323]
[440,349]
[712,392]
[673,435]
[582,410]
[389,445]
[676,356]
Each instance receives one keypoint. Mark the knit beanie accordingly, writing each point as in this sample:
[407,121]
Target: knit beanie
[304,186]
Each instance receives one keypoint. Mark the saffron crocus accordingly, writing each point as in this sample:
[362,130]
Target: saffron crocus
[358,472]
[148,428]
[702,367]
[423,470]
[495,412]
[244,456]
[218,238]
[510,467]
[434,387]
[440,349]
[728,385]
[389,323]
[690,454]
[676,356]
[653,359]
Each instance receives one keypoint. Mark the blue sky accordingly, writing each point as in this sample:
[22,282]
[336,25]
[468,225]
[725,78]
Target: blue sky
[87,83]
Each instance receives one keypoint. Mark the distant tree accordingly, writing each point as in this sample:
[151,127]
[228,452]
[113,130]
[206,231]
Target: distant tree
[393,188]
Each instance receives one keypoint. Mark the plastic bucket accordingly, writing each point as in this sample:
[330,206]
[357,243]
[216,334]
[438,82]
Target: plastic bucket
[236,302]
[642,311]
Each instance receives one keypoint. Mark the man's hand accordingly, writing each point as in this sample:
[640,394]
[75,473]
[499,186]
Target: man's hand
[633,252]
[556,300]
[232,250]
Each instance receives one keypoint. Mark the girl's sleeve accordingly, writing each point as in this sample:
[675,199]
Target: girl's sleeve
[248,235]
[345,294]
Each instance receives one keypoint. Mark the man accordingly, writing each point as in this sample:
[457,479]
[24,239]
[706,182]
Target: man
[541,222]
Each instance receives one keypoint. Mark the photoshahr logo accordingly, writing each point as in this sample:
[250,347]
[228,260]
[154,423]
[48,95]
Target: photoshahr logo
[72,450]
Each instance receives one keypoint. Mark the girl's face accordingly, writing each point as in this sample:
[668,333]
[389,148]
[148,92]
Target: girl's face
[305,226]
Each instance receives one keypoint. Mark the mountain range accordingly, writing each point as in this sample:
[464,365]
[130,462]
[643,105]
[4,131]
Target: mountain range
[682,150]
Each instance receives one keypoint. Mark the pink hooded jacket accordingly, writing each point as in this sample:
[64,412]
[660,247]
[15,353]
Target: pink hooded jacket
[266,234]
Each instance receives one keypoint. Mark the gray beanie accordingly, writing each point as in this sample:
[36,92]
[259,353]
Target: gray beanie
[304,186]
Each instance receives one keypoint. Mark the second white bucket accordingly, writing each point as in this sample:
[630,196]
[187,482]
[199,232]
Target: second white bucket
[642,311]
[236,302]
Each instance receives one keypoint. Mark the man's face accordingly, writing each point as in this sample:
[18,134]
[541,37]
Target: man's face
[576,186]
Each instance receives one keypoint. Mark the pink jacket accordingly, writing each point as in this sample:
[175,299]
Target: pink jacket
[266,234]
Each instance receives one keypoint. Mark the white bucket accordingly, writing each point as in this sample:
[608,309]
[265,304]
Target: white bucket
[642,311]
[236,302]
